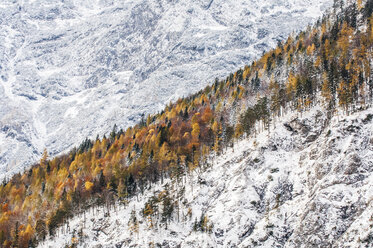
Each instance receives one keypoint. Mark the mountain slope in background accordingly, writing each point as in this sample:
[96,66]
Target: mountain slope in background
[72,69]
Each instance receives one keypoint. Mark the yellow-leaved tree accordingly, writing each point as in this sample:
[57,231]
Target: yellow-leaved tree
[88,185]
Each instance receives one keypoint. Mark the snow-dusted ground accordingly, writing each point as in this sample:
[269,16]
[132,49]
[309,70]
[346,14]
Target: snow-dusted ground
[72,69]
[308,183]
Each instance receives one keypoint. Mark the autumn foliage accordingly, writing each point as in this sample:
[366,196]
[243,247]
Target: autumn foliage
[328,64]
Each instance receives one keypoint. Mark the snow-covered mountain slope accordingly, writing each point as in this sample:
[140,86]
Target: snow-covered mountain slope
[72,69]
[306,183]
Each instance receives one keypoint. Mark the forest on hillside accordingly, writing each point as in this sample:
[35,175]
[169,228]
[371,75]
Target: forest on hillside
[328,64]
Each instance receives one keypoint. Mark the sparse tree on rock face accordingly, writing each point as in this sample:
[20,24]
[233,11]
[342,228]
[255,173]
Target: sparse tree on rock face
[202,225]
[167,208]
[275,98]
[133,223]
[255,82]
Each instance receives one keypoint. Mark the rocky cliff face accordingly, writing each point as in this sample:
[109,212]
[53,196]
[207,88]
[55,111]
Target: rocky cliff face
[306,183]
[72,69]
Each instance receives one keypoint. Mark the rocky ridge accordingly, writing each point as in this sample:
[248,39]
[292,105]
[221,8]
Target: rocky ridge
[306,183]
